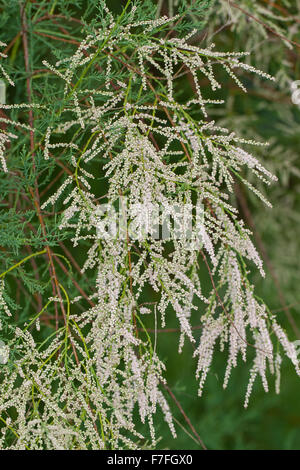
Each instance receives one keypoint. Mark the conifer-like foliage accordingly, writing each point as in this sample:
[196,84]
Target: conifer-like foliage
[97,122]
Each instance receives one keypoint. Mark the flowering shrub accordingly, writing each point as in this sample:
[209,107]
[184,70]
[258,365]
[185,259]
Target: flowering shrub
[103,121]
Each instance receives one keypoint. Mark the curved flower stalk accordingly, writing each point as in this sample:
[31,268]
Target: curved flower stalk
[4,136]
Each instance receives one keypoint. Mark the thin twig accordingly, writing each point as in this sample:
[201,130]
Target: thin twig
[262,23]
[186,418]
[34,191]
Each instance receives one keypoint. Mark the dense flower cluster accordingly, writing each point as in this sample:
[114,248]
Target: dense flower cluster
[150,150]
